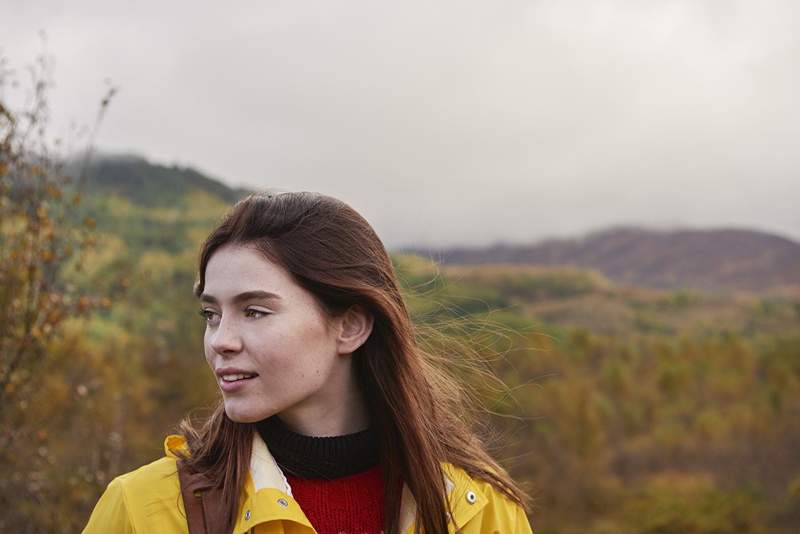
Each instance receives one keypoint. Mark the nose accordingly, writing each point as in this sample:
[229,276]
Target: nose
[225,340]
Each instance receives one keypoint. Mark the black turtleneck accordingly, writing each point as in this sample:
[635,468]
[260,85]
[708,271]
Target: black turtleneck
[319,457]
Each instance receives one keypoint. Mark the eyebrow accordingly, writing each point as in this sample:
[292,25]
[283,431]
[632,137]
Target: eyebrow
[242,297]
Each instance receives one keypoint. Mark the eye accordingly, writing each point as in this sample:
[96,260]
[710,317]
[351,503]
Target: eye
[209,315]
[254,313]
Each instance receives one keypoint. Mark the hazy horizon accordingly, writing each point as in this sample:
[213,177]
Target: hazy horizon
[454,123]
[663,227]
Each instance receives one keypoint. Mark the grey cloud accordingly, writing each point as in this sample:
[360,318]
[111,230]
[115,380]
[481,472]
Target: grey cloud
[455,122]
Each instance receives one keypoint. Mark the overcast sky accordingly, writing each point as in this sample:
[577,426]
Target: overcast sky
[451,122]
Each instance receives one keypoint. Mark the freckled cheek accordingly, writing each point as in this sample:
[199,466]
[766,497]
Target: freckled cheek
[274,350]
[207,351]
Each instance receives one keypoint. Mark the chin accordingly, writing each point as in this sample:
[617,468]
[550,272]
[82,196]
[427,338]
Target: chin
[244,414]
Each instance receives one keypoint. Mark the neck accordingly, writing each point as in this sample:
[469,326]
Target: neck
[335,413]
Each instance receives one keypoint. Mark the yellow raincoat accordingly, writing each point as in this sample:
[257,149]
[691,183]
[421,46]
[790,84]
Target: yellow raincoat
[148,500]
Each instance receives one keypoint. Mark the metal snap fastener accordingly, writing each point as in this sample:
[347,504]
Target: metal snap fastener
[471,497]
[283,502]
[247,515]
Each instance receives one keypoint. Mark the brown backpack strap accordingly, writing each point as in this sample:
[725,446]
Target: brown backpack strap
[202,501]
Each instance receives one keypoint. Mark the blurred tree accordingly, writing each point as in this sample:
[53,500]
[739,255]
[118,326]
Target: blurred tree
[42,235]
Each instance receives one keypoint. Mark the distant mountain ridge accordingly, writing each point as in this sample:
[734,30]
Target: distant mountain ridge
[149,184]
[707,260]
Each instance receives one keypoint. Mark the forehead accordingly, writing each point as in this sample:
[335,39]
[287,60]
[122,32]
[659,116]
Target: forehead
[237,268]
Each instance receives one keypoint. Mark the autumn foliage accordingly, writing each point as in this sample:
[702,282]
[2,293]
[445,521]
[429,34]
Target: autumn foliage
[621,409]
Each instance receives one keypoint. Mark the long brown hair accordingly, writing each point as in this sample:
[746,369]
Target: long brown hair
[334,253]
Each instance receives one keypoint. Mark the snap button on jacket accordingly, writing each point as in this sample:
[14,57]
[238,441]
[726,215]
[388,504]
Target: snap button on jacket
[148,500]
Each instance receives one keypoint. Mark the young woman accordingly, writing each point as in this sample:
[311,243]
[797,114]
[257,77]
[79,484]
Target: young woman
[331,420]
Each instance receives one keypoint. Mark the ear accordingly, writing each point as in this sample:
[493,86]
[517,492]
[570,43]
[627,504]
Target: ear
[354,327]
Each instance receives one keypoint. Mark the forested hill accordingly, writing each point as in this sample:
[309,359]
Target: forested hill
[148,184]
[151,207]
[708,260]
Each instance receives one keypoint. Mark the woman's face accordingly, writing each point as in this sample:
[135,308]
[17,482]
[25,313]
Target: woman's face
[267,340]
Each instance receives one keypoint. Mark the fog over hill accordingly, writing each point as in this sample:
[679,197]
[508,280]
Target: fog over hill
[704,259]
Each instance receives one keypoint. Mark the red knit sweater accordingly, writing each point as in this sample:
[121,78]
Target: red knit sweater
[347,505]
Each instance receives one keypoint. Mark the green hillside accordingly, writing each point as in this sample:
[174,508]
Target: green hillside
[148,184]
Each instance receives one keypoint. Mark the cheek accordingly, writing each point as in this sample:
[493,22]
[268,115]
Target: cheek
[207,352]
[310,342]
[299,349]
[303,330]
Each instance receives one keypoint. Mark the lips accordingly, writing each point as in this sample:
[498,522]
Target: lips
[232,379]
[236,377]
[231,386]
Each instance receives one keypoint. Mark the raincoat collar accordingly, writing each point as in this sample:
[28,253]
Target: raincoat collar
[268,495]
